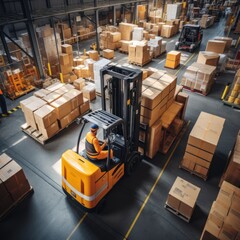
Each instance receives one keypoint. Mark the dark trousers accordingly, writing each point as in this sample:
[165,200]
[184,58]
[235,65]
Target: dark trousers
[3,104]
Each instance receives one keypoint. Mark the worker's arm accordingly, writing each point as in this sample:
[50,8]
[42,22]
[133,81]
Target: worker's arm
[97,146]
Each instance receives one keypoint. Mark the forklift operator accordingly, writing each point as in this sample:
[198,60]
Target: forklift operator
[94,150]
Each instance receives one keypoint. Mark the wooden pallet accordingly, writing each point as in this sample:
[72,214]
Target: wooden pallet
[37,136]
[177,213]
[202,93]
[233,105]
[139,64]
[20,94]
[16,203]
[193,172]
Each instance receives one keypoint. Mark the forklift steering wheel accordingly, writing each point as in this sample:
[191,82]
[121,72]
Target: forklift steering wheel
[111,137]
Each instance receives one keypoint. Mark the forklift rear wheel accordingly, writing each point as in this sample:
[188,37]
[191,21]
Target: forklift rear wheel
[132,163]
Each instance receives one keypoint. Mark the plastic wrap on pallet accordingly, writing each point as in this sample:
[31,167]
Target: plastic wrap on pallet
[222,63]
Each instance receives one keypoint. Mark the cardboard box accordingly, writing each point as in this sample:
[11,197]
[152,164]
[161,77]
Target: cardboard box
[79,83]
[45,116]
[4,160]
[183,97]
[74,114]
[108,53]
[151,97]
[66,48]
[52,97]
[85,106]
[183,196]
[65,121]
[228,41]
[93,55]
[30,109]
[216,46]
[14,180]
[25,102]
[174,56]
[199,153]
[64,59]
[209,58]
[5,200]
[114,37]
[172,64]
[41,93]
[50,131]
[55,86]
[206,132]
[89,92]
[76,98]
[63,106]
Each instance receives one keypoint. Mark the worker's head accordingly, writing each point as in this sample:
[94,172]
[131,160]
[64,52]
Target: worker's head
[94,128]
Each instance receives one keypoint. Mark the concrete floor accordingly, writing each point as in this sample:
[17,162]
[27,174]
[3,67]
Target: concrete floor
[134,208]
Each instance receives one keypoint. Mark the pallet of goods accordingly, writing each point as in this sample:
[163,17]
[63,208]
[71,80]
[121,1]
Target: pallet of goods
[110,40]
[207,21]
[52,109]
[14,186]
[182,199]
[202,144]
[223,221]
[173,59]
[231,173]
[199,78]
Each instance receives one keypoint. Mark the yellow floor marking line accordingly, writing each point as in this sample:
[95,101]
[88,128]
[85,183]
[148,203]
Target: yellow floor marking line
[79,223]
[154,185]
[184,64]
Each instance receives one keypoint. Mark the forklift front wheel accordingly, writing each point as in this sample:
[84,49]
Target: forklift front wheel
[132,163]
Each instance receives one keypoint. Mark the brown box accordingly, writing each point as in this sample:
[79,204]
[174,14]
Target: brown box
[79,83]
[209,58]
[63,106]
[65,121]
[50,131]
[199,153]
[41,93]
[52,97]
[216,46]
[89,92]
[5,200]
[85,106]
[67,48]
[14,180]
[30,109]
[65,69]
[93,55]
[114,37]
[228,41]
[183,97]
[206,132]
[4,160]
[64,59]
[183,196]
[45,116]
[151,97]
[25,102]
[55,86]
[108,53]
[174,56]
[76,98]
[74,114]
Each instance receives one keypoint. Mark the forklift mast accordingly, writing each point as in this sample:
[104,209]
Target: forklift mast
[123,88]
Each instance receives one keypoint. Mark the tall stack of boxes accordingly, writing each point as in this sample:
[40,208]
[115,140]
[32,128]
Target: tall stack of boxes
[173,59]
[223,220]
[110,40]
[157,91]
[199,77]
[141,12]
[53,108]
[231,174]
[139,53]
[66,63]
[126,30]
[202,143]
[13,183]
[155,45]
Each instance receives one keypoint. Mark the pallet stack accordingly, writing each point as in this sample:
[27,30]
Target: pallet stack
[202,143]
[223,220]
[173,59]
[52,109]
[199,78]
[66,63]
[14,185]
[110,40]
[157,96]
[231,174]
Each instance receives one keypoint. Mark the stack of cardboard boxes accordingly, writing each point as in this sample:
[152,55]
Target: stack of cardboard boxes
[206,21]
[202,143]
[231,174]
[108,53]
[126,30]
[216,46]
[156,46]
[235,92]
[182,198]
[208,58]
[139,53]
[199,77]
[157,93]
[173,59]
[110,40]
[66,63]
[53,108]
[65,33]
[223,220]
[170,28]
[13,183]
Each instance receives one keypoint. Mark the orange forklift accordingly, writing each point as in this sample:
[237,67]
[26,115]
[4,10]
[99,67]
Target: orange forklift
[86,180]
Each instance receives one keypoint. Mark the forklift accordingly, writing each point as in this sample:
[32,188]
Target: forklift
[87,180]
[190,38]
